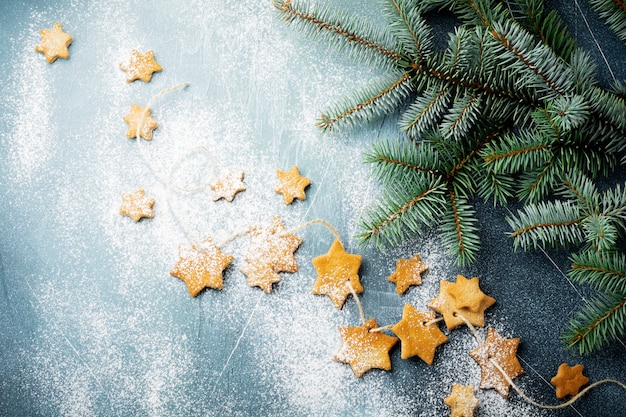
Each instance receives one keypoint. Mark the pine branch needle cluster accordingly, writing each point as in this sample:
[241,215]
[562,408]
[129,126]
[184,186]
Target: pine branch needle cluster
[509,108]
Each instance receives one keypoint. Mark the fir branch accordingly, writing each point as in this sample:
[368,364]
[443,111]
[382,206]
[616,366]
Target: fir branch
[614,13]
[426,111]
[599,322]
[461,117]
[410,29]
[459,227]
[392,161]
[605,272]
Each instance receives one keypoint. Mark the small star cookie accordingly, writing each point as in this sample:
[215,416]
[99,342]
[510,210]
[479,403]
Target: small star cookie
[569,380]
[201,267]
[140,123]
[407,273]
[363,349]
[502,351]
[229,184]
[271,244]
[462,401]
[452,307]
[140,66]
[136,205]
[291,185]
[334,270]
[54,43]
[261,275]
[419,337]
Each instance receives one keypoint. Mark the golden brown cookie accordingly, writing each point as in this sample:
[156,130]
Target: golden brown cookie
[201,267]
[140,66]
[54,43]
[418,335]
[291,184]
[462,401]
[228,185]
[504,353]
[140,122]
[408,272]
[569,380]
[136,205]
[334,270]
[271,244]
[261,275]
[364,350]
[452,307]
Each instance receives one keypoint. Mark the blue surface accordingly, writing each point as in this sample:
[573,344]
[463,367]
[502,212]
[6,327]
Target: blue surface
[92,322]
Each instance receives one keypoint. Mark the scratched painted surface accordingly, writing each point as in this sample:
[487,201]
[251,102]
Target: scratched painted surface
[92,322]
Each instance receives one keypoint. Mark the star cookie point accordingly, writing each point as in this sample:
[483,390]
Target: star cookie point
[201,267]
[137,206]
[363,349]
[334,270]
[140,66]
[408,272]
[54,43]
[419,336]
[462,401]
[140,122]
[569,380]
[291,185]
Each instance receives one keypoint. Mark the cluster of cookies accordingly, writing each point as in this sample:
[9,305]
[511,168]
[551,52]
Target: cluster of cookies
[272,251]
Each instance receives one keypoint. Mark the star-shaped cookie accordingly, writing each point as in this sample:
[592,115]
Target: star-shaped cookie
[54,43]
[201,267]
[569,380]
[452,307]
[271,244]
[140,122]
[504,353]
[229,184]
[363,349]
[261,275]
[407,273]
[418,336]
[334,270]
[136,205]
[140,66]
[291,184]
[462,401]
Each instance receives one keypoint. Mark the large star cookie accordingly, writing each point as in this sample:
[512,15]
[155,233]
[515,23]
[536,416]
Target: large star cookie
[271,250]
[364,349]
[140,122]
[459,300]
[140,66]
[569,380]
[419,336]
[407,273]
[291,184]
[201,267]
[54,43]
[229,184]
[136,205]
[334,270]
[462,401]
[503,352]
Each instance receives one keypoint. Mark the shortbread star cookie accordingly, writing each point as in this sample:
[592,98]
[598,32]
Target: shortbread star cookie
[228,185]
[54,43]
[271,244]
[261,275]
[462,401]
[502,351]
[418,336]
[140,123]
[334,270]
[363,349]
[136,205]
[569,380]
[291,184]
[454,309]
[140,66]
[201,267]
[408,272]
